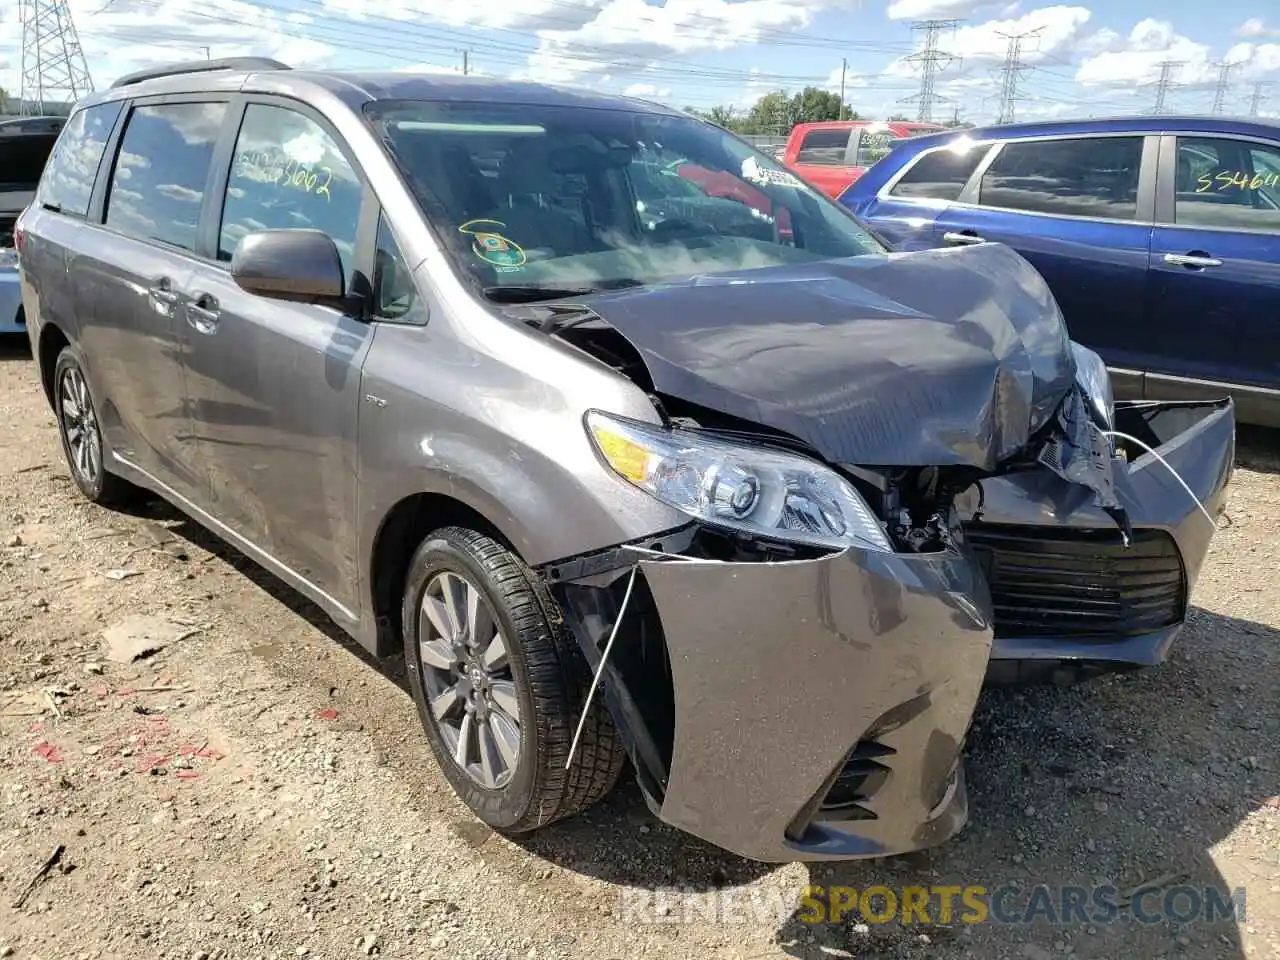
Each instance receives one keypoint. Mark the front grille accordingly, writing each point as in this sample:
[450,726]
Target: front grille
[1079,584]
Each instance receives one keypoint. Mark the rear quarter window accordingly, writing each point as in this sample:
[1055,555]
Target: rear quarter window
[940,175]
[69,176]
[824,148]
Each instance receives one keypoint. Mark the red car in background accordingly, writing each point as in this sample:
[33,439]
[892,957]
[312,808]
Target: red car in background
[724,185]
[833,154]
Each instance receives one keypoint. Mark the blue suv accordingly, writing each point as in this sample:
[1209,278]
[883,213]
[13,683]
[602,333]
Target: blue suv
[1159,236]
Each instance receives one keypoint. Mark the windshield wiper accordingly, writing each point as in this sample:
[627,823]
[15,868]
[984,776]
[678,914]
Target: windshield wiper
[533,293]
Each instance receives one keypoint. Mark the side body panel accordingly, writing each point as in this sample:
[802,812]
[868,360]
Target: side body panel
[487,413]
[274,386]
[1214,294]
[50,265]
[132,329]
[275,391]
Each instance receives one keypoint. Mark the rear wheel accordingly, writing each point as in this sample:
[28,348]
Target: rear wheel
[500,686]
[81,433]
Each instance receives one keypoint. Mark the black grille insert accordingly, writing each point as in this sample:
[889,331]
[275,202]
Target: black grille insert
[861,776]
[1080,584]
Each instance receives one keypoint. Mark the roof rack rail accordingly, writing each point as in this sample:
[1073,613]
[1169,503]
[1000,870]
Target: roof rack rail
[200,66]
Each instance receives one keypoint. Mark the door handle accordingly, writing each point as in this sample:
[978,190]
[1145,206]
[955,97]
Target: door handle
[1194,261]
[203,314]
[952,236]
[162,293]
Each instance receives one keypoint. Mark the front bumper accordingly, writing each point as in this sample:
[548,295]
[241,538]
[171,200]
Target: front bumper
[847,681]
[818,707]
[1065,589]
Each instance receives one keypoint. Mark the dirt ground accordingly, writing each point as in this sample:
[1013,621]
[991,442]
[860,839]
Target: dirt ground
[277,798]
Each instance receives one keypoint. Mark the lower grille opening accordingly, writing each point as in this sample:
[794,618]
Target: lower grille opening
[864,772]
[1079,584]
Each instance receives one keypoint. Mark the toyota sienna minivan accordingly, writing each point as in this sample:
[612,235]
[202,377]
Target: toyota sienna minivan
[755,510]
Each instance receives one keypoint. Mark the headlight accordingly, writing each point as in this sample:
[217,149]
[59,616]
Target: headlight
[752,489]
[1092,375]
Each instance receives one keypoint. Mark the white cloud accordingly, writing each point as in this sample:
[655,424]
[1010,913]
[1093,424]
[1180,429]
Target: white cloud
[1062,36]
[1138,59]
[526,15]
[1061,30]
[646,91]
[927,9]
[851,81]
[631,32]
[1255,60]
[1255,27]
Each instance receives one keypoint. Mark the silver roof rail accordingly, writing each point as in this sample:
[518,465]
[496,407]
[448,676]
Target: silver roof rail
[200,66]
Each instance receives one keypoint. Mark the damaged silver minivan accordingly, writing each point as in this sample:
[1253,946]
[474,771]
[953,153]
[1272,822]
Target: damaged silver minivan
[633,446]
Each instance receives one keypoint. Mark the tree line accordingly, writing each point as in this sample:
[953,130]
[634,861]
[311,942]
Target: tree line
[776,113]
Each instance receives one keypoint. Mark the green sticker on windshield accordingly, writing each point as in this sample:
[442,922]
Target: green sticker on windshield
[492,247]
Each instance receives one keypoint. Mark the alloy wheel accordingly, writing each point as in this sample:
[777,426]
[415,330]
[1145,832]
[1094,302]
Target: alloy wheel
[467,679]
[80,426]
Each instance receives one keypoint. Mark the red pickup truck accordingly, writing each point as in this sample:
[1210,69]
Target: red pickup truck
[833,154]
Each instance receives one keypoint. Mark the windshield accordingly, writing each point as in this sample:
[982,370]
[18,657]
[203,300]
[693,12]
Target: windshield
[553,199]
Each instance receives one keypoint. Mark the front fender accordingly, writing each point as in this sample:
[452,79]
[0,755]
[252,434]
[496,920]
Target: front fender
[501,433]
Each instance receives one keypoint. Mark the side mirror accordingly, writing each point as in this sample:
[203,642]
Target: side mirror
[302,266]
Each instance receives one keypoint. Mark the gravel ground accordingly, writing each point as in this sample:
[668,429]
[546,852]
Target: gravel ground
[280,801]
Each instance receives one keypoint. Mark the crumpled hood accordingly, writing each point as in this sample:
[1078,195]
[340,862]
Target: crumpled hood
[940,357]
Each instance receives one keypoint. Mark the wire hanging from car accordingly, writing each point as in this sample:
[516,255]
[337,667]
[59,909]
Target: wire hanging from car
[604,659]
[1168,466]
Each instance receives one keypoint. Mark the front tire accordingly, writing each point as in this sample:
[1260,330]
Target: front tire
[499,685]
[80,431]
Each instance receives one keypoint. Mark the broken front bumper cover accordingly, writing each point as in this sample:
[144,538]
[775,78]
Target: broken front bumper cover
[1066,590]
[818,707]
[821,712]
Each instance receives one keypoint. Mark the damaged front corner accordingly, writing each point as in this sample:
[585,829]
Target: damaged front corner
[605,595]
[789,708]
[821,713]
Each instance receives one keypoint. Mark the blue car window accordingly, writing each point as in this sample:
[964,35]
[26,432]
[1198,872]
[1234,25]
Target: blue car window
[1228,184]
[1079,177]
[940,175]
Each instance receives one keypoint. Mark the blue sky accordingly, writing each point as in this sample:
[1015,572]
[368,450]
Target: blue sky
[1083,58]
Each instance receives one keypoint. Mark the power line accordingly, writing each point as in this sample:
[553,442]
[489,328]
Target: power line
[54,70]
[931,60]
[1011,72]
[1224,84]
[1168,70]
[443,40]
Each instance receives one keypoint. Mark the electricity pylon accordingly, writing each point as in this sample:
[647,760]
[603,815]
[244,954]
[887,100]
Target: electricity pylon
[54,70]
